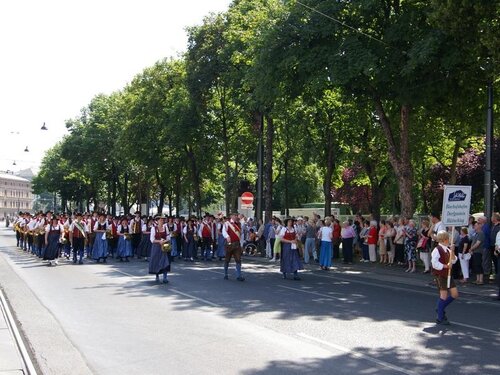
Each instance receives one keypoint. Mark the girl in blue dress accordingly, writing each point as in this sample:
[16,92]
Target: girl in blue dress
[159,262]
[124,250]
[100,248]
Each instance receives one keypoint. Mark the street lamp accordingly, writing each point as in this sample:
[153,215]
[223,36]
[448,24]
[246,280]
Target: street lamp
[26,149]
[44,127]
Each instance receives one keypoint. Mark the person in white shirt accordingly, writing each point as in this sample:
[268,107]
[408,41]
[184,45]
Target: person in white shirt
[442,258]
[77,234]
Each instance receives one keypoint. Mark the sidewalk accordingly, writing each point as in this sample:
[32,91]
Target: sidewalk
[395,274]
[10,359]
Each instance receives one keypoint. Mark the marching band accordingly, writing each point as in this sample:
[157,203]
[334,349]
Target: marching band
[159,240]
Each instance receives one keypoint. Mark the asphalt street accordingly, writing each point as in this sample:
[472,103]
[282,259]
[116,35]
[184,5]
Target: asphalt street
[114,319]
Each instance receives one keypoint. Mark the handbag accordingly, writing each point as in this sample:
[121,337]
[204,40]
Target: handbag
[422,243]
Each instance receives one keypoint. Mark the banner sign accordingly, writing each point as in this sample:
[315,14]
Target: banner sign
[456,205]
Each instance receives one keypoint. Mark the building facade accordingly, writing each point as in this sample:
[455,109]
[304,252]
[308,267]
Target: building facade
[15,195]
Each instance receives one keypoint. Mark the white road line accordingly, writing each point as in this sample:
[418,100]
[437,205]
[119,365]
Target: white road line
[408,290]
[313,293]
[358,355]
[496,333]
[190,296]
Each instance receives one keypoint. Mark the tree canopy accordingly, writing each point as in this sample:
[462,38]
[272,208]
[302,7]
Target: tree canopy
[373,103]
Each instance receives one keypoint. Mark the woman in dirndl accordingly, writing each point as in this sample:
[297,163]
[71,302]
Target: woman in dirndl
[124,250]
[100,248]
[52,236]
[144,248]
[172,230]
[159,262]
[220,253]
[190,243]
[290,258]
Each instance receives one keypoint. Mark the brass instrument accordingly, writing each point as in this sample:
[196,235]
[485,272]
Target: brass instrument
[196,237]
[166,247]
[109,235]
[174,234]
[127,236]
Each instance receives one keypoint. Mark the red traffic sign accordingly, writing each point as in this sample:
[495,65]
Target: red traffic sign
[247,198]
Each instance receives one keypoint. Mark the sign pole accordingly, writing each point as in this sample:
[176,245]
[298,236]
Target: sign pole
[448,282]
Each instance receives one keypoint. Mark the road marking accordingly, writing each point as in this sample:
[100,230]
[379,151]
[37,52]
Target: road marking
[407,290]
[313,293]
[202,300]
[358,355]
[173,290]
[496,333]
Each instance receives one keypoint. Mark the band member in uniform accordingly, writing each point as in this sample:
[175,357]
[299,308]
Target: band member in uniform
[207,237]
[159,262]
[221,241]
[124,251]
[52,235]
[290,258]
[442,259]
[172,230]
[77,234]
[144,249]
[136,232]
[190,243]
[17,228]
[100,249]
[91,235]
[113,235]
[232,233]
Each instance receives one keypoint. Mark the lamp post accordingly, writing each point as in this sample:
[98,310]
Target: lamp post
[488,180]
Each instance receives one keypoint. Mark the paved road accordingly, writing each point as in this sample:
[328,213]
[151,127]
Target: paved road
[113,319]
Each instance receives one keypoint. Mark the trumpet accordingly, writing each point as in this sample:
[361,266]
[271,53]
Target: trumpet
[166,247]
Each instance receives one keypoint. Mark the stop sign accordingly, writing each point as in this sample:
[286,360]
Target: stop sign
[247,198]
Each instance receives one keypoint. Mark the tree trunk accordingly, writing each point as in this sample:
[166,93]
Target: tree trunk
[162,192]
[327,181]
[225,155]
[196,179]
[178,194]
[399,157]
[454,160]
[268,172]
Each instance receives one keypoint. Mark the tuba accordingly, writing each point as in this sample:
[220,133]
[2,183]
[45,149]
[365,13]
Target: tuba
[166,247]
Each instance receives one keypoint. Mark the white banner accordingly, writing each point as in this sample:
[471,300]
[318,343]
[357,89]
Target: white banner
[456,205]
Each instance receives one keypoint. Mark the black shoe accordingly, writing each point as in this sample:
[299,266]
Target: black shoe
[104,260]
[297,278]
[443,322]
[80,262]
[284,276]
[165,281]
[240,278]
[226,277]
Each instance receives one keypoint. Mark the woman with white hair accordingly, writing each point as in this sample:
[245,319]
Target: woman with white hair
[372,239]
[348,235]
[325,235]
[411,245]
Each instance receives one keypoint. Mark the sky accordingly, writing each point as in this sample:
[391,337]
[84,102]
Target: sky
[56,55]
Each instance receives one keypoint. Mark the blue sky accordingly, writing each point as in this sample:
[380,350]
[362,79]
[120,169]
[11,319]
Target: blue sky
[57,54]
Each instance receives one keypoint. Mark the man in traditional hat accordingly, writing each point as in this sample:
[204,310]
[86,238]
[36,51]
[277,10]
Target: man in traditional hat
[232,233]
[205,232]
[77,234]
